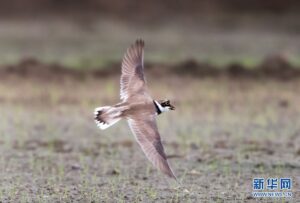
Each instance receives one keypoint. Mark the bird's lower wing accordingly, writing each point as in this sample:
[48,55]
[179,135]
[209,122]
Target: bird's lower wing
[147,135]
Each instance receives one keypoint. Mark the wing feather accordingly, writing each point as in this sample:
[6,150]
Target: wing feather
[147,135]
[133,84]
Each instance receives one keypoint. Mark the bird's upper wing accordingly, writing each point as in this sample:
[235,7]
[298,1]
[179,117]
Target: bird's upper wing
[133,84]
[147,135]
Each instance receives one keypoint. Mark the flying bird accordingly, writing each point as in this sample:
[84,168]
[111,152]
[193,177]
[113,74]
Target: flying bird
[138,108]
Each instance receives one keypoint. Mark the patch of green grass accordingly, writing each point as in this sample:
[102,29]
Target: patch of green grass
[223,61]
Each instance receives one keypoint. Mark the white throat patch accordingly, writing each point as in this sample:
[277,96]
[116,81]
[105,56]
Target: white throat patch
[161,108]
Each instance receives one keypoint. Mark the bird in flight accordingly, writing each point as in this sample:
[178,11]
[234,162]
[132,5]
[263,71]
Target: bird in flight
[138,108]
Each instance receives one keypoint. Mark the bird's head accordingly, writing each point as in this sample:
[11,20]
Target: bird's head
[166,105]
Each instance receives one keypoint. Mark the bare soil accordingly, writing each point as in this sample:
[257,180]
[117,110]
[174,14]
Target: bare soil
[276,67]
[228,128]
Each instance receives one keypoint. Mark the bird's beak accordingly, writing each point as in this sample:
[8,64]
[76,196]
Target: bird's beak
[172,107]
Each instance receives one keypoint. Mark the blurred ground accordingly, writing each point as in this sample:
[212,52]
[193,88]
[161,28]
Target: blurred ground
[92,44]
[223,133]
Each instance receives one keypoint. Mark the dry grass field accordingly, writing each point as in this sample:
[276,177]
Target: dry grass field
[225,131]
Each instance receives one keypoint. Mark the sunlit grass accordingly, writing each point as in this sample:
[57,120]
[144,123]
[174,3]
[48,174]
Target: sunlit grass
[223,133]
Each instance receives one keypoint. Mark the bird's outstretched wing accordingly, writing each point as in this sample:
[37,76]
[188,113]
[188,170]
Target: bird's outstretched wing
[133,84]
[147,135]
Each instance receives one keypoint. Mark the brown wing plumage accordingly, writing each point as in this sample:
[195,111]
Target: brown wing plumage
[147,135]
[132,81]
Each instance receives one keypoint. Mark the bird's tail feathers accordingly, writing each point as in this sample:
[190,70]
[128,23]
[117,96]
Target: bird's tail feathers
[106,116]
